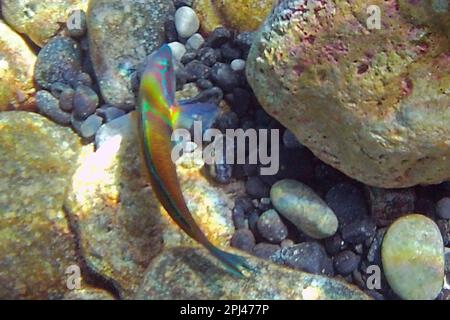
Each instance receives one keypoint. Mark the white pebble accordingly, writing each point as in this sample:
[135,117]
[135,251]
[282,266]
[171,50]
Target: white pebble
[238,65]
[195,42]
[186,22]
[178,50]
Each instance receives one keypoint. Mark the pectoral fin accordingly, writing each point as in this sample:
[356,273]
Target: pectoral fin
[189,112]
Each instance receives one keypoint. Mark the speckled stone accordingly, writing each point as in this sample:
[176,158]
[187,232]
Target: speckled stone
[413,257]
[304,208]
[36,245]
[121,35]
[58,61]
[379,112]
[243,15]
[190,273]
[16,71]
[40,20]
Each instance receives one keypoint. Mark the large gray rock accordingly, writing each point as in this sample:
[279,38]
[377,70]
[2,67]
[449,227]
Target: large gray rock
[372,103]
[189,273]
[121,35]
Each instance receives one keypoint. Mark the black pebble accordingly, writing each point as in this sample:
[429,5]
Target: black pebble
[265,250]
[188,57]
[204,84]
[170,31]
[218,37]
[196,70]
[244,41]
[230,52]
[345,262]
[243,239]
[227,120]
[307,256]
[245,203]
[224,77]
[212,95]
[333,244]
[256,188]
[85,102]
[209,56]
[358,231]
[348,203]
[240,101]
[238,216]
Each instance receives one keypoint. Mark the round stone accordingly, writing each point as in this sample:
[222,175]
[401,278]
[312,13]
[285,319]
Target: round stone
[186,22]
[195,42]
[412,254]
[271,227]
[178,50]
[238,64]
[304,208]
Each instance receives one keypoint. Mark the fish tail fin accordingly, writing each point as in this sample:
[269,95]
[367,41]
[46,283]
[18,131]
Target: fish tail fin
[235,264]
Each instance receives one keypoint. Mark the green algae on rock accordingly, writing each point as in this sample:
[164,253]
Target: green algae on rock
[372,103]
[191,273]
[304,208]
[121,35]
[40,20]
[244,15]
[16,71]
[412,254]
[36,245]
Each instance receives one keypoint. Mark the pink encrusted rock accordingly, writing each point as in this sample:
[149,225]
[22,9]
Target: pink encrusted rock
[373,103]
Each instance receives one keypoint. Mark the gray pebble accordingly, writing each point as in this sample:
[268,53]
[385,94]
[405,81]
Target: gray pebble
[358,231]
[307,256]
[76,24]
[66,99]
[85,102]
[109,113]
[48,105]
[265,250]
[346,262]
[90,126]
[195,42]
[243,239]
[271,227]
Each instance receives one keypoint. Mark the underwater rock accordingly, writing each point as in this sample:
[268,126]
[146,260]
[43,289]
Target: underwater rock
[304,208]
[121,224]
[58,61]
[387,205]
[413,258]
[89,293]
[377,110]
[121,35]
[36,245]
[243,15]
[16,71]
[40,20]
[191,273]
[271,227]
[118,219]
[48,106]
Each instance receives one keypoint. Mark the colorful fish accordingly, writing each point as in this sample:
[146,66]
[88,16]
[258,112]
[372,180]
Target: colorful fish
[159,114]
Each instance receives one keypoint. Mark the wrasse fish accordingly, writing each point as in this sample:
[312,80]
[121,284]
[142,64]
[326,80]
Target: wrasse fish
[158,115]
